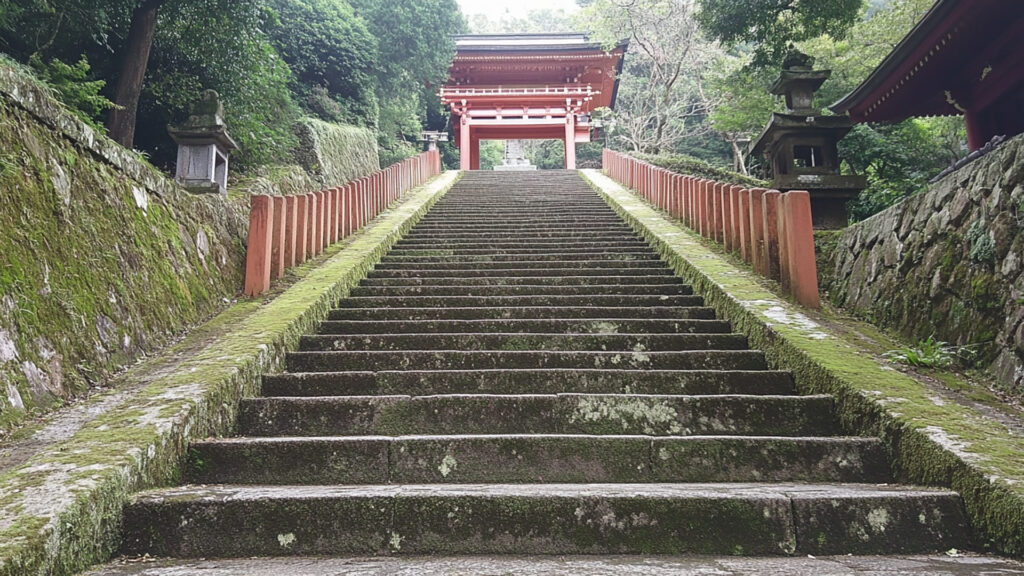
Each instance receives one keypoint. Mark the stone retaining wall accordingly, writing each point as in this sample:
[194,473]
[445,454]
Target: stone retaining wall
[102,258]
[948,262]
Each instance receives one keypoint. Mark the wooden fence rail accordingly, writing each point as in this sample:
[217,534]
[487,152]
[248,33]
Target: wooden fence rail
[768,229]
[285,231]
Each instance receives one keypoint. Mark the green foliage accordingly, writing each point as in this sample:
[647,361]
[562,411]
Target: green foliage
[772,25]
[897,159]
[331,52]
[983,248]
[491,153]
[696,167]
[929,353]
[73,88]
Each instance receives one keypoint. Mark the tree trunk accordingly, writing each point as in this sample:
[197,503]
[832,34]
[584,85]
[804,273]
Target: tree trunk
[737,155]
[121,122]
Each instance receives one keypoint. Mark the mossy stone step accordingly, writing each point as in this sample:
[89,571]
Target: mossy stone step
[434,244]
[631,280]
[562,413]
[752,519]
[515,251]
[529,381]
[511,271]
[512,359]
[535,300]
[627,343]
[527,326]
[527,257]
[534,458]
[526,290]
[524,312]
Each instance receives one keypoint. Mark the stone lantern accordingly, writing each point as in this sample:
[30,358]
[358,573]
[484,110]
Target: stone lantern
[800,146]
[203,146]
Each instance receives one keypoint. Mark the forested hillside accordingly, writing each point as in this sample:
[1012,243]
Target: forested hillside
[371,63]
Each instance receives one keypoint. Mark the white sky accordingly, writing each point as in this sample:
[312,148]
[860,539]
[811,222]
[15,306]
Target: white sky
[494,9]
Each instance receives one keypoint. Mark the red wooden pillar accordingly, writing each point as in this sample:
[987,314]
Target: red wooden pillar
[350,202]
[301,227]
[465,144]
[291,224]
[570,141]
[278,229]
[744,223]
[258,253]
[780,218]
[716,210]
[771,232]
[328,216]
[803,272]
[338,199]
[734,217]
[705,208]
[756,227]
[314,216]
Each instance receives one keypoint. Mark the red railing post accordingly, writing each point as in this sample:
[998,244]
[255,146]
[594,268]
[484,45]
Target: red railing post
[302,227]
[258,253]
[744,223]
[756,226]
[771,232]
[291,223]
[278,228]
[314,217]
[803,273]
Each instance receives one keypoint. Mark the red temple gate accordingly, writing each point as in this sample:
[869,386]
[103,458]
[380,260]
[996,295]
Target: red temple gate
[528,86]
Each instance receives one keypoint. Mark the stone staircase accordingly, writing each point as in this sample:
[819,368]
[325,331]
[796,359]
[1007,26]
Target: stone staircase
[522,374]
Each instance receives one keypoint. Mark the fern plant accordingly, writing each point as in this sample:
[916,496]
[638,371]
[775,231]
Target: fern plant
[929,353]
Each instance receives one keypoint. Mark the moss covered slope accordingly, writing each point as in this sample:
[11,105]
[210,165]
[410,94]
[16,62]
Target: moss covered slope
[102,259]
[61,511]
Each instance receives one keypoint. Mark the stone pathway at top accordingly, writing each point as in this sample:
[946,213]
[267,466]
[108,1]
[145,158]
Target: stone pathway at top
[523,375]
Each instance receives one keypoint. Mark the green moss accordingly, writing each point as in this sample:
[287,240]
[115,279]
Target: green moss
[929,442]
[143,442]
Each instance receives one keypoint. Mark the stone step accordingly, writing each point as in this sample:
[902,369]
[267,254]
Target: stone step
[434,244]
[526,290]
[596,265]
[498,341]
[579,234]
[528,257]
[735,518]
[607,223]
[513,359]
[542,312]
[516,251]
[399,302]
[527,326]
[529,381]
[552,272]
[964,564]
[538,414]
[634,280]
[534,458]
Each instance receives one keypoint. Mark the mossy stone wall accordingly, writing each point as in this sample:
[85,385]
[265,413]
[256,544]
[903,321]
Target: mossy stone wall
[335,153]
[102,258]
[948,262]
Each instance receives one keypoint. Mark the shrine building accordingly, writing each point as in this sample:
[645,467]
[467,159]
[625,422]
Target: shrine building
[528,86]
[963,57]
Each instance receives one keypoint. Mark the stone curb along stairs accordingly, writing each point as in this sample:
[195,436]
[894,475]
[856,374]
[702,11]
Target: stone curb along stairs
[523,374]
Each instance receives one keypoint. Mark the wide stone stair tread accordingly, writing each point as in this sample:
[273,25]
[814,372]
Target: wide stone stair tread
[530,380]
[511,341]
[560,413]
[565,565]
[526,290]
[532,458]
[652,280]
[525,312]
[649,518]
[522,374]
[506,359]
[529,326]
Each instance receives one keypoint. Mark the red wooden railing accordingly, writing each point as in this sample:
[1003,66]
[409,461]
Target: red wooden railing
[287,230]
[768,229]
